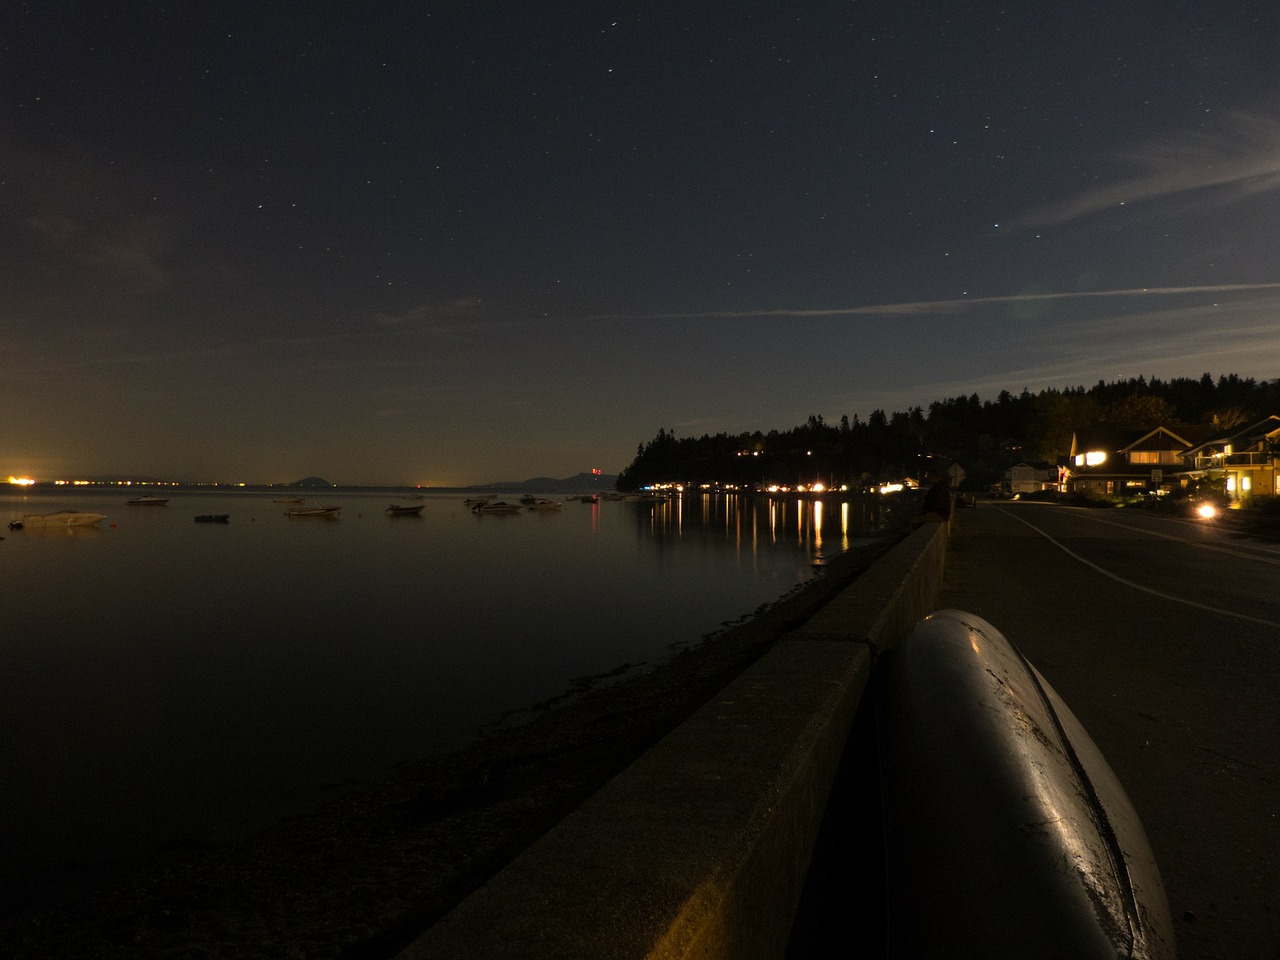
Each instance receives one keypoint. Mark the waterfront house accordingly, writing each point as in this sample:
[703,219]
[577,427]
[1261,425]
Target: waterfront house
[1248,460]
[1105,461]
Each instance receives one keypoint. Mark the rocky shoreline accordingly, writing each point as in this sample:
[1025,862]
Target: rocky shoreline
[366,873]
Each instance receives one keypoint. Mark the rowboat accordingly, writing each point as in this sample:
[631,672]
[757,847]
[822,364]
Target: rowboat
[398,511]
[148,501]
[316,511]
[62,518]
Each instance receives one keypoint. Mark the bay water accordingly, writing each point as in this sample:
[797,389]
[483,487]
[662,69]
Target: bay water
[163,679]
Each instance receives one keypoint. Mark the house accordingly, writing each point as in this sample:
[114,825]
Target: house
[1027,477]
[1105,461]
[1248,460]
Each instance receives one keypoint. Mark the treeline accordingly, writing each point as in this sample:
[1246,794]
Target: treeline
[985,437]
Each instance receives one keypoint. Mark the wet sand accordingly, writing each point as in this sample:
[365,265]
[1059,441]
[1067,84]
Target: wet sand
[361,876]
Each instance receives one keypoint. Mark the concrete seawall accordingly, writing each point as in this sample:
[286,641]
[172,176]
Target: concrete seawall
[700,847]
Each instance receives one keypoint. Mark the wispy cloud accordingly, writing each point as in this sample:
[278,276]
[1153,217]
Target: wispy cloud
[1181,341]
[1240,158]
[448,315]
[943,307]
[129,254]
[73,220]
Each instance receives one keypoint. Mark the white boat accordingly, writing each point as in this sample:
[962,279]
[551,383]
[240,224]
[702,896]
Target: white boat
[545,505]
[497,506]
[148,501]
[314,511]
[62,518]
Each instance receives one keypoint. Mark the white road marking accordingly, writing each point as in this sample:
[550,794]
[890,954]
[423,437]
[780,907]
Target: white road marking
[1137,586]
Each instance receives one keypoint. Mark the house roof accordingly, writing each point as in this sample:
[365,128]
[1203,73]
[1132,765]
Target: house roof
[1112,439]
[1161,438]
[1267,428]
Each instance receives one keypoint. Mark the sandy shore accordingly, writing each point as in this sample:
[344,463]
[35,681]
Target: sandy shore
[363,875]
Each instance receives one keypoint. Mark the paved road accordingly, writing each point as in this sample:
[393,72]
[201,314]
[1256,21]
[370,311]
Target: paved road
[1164,638]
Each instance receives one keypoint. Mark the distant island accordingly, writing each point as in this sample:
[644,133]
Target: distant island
[309,482]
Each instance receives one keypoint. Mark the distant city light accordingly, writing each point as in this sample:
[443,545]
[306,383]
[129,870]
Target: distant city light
[21,481]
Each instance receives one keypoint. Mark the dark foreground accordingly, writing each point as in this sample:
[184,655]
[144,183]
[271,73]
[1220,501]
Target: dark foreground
[363,876]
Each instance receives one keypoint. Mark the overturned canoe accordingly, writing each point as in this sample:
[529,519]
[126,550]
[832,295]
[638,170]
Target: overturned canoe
[1007,833]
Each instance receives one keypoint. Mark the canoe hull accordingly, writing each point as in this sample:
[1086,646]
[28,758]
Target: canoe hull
[1007,833]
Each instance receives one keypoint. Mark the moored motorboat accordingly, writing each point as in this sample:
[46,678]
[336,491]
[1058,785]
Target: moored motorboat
[148,501]
[314,511]
[62,518]
[497,506]
[410,511]
[545,506]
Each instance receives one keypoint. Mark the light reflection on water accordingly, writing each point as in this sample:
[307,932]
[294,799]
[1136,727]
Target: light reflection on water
[161,678]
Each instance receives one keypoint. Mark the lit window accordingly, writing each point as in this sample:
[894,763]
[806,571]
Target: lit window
[1095,457]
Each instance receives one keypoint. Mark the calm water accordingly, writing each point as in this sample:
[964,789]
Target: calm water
[162,679]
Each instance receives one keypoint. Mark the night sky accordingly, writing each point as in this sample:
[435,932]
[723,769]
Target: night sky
[452,242]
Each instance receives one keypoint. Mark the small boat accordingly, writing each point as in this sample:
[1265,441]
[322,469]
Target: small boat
[213,518]
[148,501]
[62,518]
[316,511]
[289,500]
[497,506]
[528,499]
[474,502]
[545,505]
[398,511]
